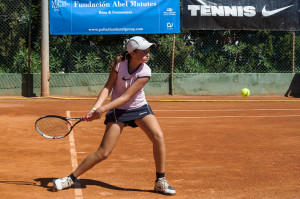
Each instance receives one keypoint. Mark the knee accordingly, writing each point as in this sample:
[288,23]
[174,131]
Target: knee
[159,138]
[101,155]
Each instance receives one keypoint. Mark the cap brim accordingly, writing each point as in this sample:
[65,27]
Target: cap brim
[147,45]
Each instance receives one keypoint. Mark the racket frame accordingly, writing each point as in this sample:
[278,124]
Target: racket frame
[67,119]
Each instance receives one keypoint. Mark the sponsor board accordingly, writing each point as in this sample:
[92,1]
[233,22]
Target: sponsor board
[81,17]
[245,14]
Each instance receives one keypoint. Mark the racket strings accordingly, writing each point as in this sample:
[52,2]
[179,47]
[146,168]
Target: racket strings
[54,127]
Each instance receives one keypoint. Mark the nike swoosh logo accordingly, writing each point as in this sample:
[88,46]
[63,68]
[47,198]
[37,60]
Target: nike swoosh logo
[125,79]
[267,13]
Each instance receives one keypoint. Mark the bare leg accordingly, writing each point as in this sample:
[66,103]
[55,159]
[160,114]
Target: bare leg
[109,140]
[151,127]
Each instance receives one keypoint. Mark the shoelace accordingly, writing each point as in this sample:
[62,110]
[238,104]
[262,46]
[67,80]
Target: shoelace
[67,183]
[164,183]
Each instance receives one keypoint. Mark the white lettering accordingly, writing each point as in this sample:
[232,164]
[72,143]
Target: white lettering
[205,11]
[223,11]
[249,11]
[119,4]
[230,11]
[193,9]
[91,5]
[240,11]
[142,4]
[217,10]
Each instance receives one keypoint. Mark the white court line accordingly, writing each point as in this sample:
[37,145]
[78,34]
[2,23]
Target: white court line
[228,110]
[217,110]
[77,184]
[211,117]
[223,110]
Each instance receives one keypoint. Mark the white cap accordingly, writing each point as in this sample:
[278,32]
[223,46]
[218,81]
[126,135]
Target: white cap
[138,42]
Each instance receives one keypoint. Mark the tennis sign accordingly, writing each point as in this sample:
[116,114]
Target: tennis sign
[82,17]
[240,15]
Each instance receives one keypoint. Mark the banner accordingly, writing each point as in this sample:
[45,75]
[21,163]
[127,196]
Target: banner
[240,15]
[82,17]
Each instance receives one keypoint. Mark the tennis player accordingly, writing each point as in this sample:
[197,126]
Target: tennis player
[128,107]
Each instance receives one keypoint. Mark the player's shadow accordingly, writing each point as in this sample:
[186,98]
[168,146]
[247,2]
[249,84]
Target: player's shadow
[294,88]
[47,183]
[40,182]
[23,183]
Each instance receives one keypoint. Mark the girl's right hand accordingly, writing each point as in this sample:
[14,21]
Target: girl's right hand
[96,115]
[90,114]
[93,115]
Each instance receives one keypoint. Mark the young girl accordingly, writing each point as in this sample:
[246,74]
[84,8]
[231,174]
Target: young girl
[128,107]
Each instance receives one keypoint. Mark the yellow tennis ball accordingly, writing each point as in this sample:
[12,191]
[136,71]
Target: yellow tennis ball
[245,92]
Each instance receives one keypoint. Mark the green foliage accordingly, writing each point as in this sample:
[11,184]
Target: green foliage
[202,51]
[20,63]
[91,63]
[161,56]
[192,65]
[297,52]
[13,29]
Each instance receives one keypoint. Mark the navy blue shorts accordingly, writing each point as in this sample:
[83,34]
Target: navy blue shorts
[128,116]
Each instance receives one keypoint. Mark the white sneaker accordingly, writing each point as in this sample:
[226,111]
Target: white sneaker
[162,186]
[62,183]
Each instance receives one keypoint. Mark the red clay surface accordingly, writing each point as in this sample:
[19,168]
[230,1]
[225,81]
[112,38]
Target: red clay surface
[217,147]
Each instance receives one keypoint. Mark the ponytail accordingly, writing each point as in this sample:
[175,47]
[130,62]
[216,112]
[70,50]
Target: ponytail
[120,57]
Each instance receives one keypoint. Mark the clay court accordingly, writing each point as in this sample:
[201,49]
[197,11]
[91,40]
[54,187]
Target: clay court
[217,147]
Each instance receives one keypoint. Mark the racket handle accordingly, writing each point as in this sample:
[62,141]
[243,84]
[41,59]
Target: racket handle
[84,118]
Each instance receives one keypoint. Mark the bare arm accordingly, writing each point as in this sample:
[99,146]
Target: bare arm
[106,89]
[104,93]
[130,92]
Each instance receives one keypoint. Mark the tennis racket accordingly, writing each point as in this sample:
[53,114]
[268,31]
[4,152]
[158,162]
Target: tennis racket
[56,127]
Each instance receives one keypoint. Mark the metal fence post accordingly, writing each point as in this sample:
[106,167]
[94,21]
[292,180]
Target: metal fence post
[172,67]
[29,52]
[45,73]
[294,43]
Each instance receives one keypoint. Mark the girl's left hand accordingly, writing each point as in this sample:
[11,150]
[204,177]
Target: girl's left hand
[93,115]
[90,114]
[96,115]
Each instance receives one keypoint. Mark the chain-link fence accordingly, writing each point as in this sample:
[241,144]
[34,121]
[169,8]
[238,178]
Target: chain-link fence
[236,52]
[194,52]
[14,21]
[188,52]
